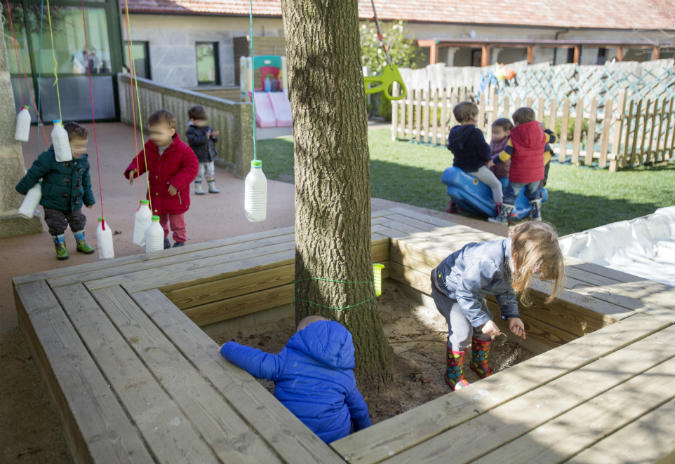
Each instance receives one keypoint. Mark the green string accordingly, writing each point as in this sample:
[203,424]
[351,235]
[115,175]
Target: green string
[338,308]
[250,20]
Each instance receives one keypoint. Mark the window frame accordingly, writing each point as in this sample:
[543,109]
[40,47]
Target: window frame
[216,64]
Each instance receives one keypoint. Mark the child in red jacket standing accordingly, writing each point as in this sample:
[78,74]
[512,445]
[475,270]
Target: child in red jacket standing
[171,167]
[525,149]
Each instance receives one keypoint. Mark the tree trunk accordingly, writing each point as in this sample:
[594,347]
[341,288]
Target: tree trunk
[333,269]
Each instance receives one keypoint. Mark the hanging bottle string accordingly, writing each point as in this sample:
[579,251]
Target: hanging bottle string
[42,17]
[250,20]
[93,117]
[335,308]
[22,67]
[56,63]
[134,86]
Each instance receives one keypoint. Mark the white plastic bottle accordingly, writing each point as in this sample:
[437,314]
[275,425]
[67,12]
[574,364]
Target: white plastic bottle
[154,236]
[255,193]
[104,240]
[61,143]
[142,221]
[22,131]
[31,202]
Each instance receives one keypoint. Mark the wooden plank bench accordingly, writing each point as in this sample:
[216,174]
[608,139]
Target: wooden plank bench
[135,378]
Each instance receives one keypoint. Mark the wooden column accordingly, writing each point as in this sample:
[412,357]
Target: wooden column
[619,54]
[577,54]
[655,53]
[530,55]
[433,52]
[485,56]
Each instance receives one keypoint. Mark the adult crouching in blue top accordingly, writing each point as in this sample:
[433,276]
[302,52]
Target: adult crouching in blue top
[313,376]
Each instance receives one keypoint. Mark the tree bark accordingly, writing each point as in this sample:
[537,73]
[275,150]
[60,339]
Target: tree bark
[333,269]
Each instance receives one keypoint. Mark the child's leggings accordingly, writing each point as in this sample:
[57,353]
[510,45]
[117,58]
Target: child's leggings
[206,170]
[460,330]
[488,178]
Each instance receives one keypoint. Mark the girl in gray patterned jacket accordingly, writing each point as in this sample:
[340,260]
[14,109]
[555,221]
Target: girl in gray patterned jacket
[501,268]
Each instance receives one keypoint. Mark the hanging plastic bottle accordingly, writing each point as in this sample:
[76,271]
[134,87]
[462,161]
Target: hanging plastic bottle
[255,193]
[31,202]
[142,221]
[377,277]
[104,240]
[61,142]
[154,236]
[22,132]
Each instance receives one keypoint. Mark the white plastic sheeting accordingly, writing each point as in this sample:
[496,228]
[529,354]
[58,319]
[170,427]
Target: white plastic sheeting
[644,247]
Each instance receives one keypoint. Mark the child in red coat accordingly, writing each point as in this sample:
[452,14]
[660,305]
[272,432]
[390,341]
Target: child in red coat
[525,149]
[171,167]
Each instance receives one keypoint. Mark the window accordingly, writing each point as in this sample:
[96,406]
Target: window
[570,55]
[602,55]
[141,56]
[207,63]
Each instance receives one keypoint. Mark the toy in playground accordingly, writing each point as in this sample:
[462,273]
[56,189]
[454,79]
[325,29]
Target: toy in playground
[272,107]
[390,75]
[471,195]
[495,78]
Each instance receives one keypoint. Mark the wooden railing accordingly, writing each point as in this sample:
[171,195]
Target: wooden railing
[628,133]
[232,119]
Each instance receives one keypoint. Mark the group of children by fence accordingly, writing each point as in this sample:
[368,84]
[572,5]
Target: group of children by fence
[519,150]
[171,165]
[314,373]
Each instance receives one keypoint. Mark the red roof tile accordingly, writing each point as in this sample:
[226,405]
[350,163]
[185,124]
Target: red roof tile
[610,14]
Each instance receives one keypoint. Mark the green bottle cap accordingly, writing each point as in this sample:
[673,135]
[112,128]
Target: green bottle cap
[145,202]
[57,121]
[101,219]
[256,164]
[155,218]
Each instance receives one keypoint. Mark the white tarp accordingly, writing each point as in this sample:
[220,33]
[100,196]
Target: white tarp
[644,247]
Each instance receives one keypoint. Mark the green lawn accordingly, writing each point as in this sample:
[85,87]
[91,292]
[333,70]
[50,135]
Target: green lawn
[580,198]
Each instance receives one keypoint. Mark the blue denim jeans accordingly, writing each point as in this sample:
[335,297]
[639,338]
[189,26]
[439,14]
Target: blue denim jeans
[513,190]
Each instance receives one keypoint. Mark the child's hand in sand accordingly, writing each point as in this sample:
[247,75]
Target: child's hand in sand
[517,327]
[491,329]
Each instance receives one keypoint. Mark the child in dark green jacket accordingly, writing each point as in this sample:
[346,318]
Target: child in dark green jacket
[65,187]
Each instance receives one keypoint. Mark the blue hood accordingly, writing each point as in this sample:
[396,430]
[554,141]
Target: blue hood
[327,342]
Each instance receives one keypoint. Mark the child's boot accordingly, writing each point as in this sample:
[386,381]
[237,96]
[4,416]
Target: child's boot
[198,188]
[167,244]
[536,209]
[212,186]
[505,215]
[82,245]
[60,245]
[454,375]
[480,349]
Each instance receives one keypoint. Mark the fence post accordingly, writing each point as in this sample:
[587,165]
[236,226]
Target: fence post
[394,112]
[590,137]
[578,123]
[606,127]
[434,115]
[426,99]
[618,128]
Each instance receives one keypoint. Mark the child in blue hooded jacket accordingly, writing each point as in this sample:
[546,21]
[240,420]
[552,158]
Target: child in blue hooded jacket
[313,376]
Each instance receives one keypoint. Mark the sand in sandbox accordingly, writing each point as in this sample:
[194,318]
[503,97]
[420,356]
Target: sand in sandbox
[417,334]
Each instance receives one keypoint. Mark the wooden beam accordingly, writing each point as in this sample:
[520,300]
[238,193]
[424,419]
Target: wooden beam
[577,54]
[619,54]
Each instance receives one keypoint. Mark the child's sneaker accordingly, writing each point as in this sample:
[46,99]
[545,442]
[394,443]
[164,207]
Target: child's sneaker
[60,245]
[505,215]
[167,244]
[535,213]
[178,244]
[82,245]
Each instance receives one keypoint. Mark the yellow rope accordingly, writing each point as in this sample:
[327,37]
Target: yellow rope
[132,70]
[56,64]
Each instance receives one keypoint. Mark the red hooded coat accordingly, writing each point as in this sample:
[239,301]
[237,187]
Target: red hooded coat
[177,166]
[527,161]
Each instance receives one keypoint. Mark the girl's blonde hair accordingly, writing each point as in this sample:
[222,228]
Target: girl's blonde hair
[535,250]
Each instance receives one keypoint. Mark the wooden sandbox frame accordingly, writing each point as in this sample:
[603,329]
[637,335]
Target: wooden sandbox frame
[135,379]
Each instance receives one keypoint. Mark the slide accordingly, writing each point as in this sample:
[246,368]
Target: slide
[282,108]
[264,112]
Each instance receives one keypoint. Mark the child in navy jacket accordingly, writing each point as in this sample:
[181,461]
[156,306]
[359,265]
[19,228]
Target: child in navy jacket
[470,150]
[313,375]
